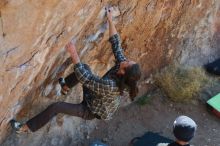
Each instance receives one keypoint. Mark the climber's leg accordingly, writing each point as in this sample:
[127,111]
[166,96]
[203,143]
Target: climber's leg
[67,83]
[71,80]
[79,110]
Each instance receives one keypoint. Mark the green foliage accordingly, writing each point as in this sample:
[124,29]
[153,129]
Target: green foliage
[181,84]
[143,100]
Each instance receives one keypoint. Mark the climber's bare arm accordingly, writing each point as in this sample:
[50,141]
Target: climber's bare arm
[114,39]
[112,29]
[71,48]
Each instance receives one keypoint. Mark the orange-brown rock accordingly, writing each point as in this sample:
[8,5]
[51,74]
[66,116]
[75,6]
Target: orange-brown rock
[33,35]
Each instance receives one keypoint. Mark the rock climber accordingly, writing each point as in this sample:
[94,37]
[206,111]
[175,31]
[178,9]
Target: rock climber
[101,96]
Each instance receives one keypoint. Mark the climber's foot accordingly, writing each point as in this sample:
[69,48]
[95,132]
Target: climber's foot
[18,127]
[64,88]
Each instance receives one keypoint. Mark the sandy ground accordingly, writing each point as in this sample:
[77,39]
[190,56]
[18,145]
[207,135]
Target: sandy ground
[157,116]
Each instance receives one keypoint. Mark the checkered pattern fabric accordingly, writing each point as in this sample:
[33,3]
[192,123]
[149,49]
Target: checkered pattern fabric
[104,90]
[117,49]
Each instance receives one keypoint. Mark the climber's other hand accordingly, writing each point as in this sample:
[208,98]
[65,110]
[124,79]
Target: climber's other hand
[71,48]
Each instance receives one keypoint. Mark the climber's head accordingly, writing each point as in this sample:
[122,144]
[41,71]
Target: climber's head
[124,65]
[130,73]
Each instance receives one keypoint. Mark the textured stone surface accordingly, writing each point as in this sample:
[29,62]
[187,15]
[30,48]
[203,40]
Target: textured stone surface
[34,33]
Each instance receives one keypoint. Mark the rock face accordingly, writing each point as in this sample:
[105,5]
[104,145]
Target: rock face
[33,35]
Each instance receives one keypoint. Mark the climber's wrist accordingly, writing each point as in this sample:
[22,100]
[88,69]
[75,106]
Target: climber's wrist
[110,20]
[75,57]
[71,48]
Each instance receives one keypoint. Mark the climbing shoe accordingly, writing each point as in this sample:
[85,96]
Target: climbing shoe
[16,125]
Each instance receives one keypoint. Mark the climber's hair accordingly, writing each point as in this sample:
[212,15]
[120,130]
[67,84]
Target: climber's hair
[129,80]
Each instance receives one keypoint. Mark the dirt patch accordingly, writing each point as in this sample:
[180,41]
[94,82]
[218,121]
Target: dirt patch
[157,116]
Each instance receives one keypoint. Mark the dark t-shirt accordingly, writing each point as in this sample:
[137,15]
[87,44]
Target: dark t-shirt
[176,144]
